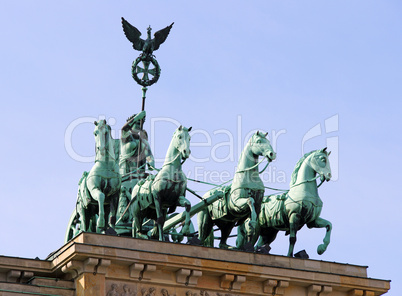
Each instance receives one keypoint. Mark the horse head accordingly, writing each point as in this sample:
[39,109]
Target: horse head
[260,145]
[182,141]
[103,139]
[319,162]
[101,127]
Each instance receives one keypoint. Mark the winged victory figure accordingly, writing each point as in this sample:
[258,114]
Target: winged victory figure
[148,45]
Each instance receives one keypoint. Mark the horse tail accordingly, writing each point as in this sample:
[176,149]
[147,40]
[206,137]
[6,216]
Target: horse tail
[83,195]
[84,175]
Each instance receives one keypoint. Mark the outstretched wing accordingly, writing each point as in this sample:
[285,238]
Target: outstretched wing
[161,36]
[132,34]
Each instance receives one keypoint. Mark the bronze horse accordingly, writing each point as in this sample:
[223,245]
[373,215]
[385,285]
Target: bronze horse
[99,188]
[299,206]
[153,197]
[242,199]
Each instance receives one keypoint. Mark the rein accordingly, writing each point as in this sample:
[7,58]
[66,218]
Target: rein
[254,166]
[172,161]
[306,181]
[245,170]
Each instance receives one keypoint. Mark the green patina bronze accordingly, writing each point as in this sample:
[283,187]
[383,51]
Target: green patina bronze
[99,188]
[147,46]
[134,155]
[243,198]
[119,188]
[145,70]
[154,197]
[106,189]
[300,206]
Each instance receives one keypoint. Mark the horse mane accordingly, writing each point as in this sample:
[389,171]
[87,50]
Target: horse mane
[177,130]
[298,165]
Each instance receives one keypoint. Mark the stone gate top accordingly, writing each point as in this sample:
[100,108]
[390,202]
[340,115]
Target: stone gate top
[95,264]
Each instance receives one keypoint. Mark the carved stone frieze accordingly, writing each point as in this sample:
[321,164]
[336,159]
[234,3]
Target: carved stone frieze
[165,292]
[122,289]
[134,290]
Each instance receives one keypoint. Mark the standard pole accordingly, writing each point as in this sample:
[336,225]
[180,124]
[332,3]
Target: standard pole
[144,91]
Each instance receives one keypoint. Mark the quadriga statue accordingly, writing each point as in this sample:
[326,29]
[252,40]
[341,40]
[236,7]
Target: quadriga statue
[300,206]
[242,199]
[159,194]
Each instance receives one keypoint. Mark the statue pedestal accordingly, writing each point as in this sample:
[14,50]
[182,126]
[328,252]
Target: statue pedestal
[94,264]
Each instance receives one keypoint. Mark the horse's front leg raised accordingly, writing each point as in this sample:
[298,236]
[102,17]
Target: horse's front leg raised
[320,223]
[183,202]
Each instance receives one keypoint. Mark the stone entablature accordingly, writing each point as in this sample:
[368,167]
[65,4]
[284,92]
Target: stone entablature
[94,264]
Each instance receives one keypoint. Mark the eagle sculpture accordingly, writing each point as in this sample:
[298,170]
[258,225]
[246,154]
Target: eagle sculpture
[148,45]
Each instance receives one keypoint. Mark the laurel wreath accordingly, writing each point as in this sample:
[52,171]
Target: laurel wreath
[134,73]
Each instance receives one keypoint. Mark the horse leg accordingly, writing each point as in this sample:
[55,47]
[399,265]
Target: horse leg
[160,217]
[241,235]
[137,221]
[112,209]
[294,222]
[267,236]
[183,202]
[92,217]
[205,225]
[225,228]
[81,214]
[99,196]
[320,223]
[253,214]
[241,208]
[252,222]
[255,235]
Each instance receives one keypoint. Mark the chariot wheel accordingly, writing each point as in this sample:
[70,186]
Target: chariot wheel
[176,233]
[73,227]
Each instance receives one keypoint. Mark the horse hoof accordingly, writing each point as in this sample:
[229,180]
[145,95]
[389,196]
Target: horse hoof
[186,230]
[225,246]
[143,236]
[321,249]
[100,223]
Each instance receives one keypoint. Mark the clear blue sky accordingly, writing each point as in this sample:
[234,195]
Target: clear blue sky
[311,73]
